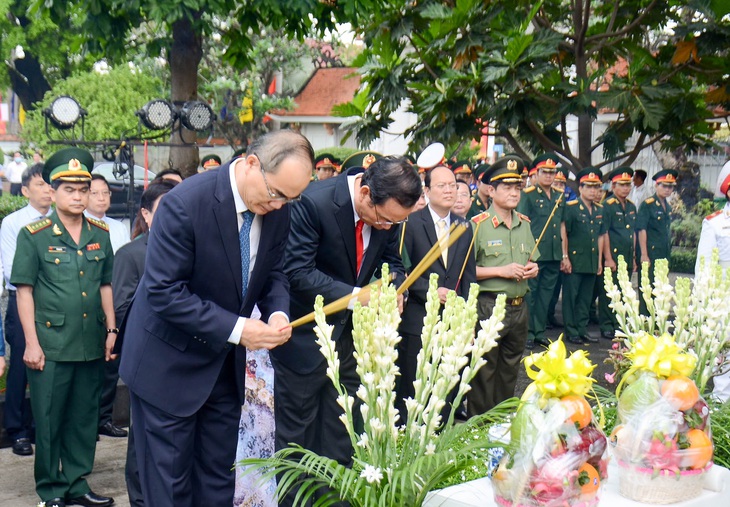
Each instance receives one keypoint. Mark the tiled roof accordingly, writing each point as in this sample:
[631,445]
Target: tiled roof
[326,88]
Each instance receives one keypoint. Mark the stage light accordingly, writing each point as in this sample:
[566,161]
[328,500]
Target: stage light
[157,114]
[197,116]
[64,112]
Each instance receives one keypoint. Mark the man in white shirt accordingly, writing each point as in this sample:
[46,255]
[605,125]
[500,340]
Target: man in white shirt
[100,199]
[16,414]
[14,173]
[639,190]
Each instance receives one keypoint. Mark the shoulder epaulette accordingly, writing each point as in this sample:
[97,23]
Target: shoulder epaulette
[99,223]
[599,205]
[612,200]
[573,202]
[481,217]
[529,189]
[629,200]
[649,200]
[39,225]
[523,217]
[713,215]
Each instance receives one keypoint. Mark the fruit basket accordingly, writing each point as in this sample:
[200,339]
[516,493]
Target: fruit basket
[557,452]
[662,442]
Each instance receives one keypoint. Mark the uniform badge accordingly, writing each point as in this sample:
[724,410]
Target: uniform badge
[495,222]
[93,246]
[56,249]
[56,230]
[494,242]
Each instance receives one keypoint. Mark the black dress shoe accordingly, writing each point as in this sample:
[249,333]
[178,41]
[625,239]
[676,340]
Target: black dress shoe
[608,335]
[529,344]
[110,430]
[22,447]
[91,499]
[56,502]
[589,338]
[575,340]
[542,341]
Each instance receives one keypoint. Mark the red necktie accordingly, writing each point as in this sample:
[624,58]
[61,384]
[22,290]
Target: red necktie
[359,247]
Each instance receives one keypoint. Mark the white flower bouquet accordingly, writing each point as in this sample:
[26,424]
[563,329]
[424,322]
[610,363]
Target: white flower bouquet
[397,464]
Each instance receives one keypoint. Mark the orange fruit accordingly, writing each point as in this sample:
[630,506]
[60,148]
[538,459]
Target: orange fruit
[579,411]
[680,391]
[700,448]
[588,479]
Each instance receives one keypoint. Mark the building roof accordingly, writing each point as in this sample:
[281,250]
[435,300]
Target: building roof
[326,88]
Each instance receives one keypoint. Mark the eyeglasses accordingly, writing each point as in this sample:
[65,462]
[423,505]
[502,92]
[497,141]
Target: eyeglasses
[103,193]
[386,222]
[275,196]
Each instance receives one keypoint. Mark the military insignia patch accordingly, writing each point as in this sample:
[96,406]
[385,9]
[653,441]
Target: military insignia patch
[481,217]
[495,222]
[56,249]
[98,223]
[56,230]
[39,225]
[93,246]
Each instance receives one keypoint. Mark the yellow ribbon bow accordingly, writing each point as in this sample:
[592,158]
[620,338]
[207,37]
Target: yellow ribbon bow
[661,356]
[555,375]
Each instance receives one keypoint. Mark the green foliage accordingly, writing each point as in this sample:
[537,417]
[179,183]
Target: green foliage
[682,260]
[339,152]
[720,422]
[457,63]
[10,203]
[110,99]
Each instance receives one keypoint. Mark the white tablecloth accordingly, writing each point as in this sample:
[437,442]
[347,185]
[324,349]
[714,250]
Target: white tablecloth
[479,493]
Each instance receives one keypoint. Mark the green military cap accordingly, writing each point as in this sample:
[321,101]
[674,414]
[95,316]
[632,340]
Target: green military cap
[479,170]
[507,169]
[666,176]
[210,161]
[547,161]
[562,174]
[238,153]
[362,159]
[461,167]
[620,174]
[72,165]
[325,160]
[590,176]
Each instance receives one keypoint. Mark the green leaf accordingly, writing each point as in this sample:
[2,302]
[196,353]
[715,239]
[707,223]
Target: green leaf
[517,46]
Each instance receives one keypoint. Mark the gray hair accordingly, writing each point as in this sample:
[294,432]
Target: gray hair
[275,147]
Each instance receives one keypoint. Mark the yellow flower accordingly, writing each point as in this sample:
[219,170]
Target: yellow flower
[661,356]
[555,375]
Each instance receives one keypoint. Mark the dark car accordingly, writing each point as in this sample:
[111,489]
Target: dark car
[119,186]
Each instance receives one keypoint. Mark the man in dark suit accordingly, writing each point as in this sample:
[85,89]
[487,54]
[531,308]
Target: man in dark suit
[216,251]
[341,232]
[425,228]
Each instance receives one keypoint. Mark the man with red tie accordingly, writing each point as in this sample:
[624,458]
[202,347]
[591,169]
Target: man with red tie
[342,231]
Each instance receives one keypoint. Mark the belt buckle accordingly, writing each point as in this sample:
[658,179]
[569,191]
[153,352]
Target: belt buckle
[516,301]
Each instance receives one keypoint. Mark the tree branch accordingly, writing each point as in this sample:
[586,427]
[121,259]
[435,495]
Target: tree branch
[422,59]
[623,31]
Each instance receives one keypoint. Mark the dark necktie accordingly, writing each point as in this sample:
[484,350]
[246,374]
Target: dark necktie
[245,242]
[359,245]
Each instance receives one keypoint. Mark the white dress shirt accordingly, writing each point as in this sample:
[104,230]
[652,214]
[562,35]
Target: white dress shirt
[639,194]
[14,172]
[9,231]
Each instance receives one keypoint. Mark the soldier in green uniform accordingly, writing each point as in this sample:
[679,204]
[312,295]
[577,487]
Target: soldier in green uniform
[653,225]
[619,223]
[502,249]
[538,203]
[582,255]
[479,198]
[63,272]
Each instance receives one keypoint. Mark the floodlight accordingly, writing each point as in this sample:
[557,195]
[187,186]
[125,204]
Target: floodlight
[157,114]
[197,116]
[64,112]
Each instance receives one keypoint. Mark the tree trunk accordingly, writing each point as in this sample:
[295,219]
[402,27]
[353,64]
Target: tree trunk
[688,179]
[27,81]
[185,55]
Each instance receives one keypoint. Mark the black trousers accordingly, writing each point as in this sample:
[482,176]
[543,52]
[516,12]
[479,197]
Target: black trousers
[108,391]
[18,418]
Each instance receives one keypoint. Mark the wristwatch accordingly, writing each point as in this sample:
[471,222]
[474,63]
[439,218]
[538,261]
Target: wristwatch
[114,330]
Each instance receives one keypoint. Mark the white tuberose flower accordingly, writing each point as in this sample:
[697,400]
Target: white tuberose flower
[372,474]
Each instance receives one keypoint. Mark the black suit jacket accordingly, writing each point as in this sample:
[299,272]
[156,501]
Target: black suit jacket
[176,331]
[128,271]
[320,259]
[420,236]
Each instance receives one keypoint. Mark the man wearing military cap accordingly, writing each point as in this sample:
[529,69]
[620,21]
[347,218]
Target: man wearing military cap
[63,271]
[462,171]
[654,226]
[209,162]
[544,205]
[582,232]
[324,165]
[502,250]
[619,223]
[480,198]
[362,159]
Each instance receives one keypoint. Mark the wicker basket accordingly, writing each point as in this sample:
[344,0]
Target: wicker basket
[641,485]
[503,502]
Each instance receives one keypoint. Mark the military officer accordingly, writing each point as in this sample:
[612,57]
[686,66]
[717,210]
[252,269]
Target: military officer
[582,260]
[653,225]
[480,199]
[502,249]
[324,166]
[63,271]
[538,203]
[209,162]
[619,223]
[462,171]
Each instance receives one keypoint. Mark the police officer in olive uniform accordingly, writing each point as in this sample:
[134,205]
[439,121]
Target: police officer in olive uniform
[479,197]
[619,223]
[538,203]
[63,271]
[502,249]
[653,226]
[582,255]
